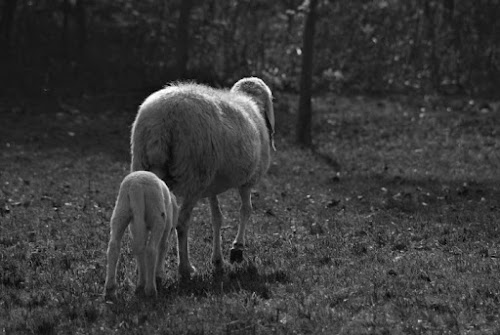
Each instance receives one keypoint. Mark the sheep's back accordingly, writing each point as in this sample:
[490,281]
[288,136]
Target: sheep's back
[205,140]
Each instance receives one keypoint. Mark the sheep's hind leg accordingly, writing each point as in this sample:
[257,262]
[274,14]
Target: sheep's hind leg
[245,211]
[217,260]
[185,267]
[161,275]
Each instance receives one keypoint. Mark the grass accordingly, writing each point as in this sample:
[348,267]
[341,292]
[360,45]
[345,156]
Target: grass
[391,227]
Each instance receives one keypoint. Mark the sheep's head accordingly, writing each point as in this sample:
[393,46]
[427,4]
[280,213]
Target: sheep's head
[260,92]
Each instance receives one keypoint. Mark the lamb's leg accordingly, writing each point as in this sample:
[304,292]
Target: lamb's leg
[119,222]
[151,253]
[245,211]
[216,224]
[185,267]
[139,236]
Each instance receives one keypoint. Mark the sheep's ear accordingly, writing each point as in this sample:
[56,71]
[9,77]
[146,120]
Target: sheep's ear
[270,115]
[270,119]
[258,90]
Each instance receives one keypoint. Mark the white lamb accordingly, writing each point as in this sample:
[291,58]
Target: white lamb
[146,203]
[203,141]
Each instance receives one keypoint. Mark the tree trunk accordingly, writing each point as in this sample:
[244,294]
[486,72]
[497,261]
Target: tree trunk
[81,23]
[77,12]
[449,9]
[182,50]
[66,9]
[304,117]
[430,13]
[6,22]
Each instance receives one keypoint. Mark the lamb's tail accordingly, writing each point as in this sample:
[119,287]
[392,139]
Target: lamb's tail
[138,226]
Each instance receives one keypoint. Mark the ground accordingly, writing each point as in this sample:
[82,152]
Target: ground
[390,226]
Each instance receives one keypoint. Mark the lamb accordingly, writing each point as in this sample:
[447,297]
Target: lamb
[146,203]
[203,141]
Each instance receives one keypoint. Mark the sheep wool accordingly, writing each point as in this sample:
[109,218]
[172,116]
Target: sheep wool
[203,141]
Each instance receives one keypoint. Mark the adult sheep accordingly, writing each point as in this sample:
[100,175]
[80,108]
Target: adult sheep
[203,141]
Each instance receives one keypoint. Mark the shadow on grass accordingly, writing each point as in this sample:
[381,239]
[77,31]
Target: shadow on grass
[85,125]
[242,277]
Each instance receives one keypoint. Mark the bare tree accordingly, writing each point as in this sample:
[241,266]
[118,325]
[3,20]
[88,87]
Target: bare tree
[304,117]
[6,22]
[81,22]
[182,45]
[77,11]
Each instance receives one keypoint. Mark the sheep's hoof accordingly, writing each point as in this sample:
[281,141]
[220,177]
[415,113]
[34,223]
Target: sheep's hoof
[187,273]
[236,254]
[160,282]
[110,294]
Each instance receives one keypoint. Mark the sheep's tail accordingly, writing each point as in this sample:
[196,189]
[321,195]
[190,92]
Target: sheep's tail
[138,159]
[149,153]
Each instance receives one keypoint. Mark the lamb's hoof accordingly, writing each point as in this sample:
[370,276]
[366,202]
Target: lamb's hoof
[218,266]
[236,254]
[151,293]
[139,290]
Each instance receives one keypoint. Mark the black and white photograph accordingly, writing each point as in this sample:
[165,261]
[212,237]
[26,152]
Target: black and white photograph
[250,167]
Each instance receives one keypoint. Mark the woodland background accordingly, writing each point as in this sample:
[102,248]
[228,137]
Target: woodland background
[73,47]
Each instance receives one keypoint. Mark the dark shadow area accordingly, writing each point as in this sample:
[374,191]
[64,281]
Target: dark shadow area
[242,277]
[87,125]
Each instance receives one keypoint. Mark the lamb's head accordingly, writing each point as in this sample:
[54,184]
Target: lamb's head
[261,94]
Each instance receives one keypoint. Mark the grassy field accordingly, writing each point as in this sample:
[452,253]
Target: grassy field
[390,227]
